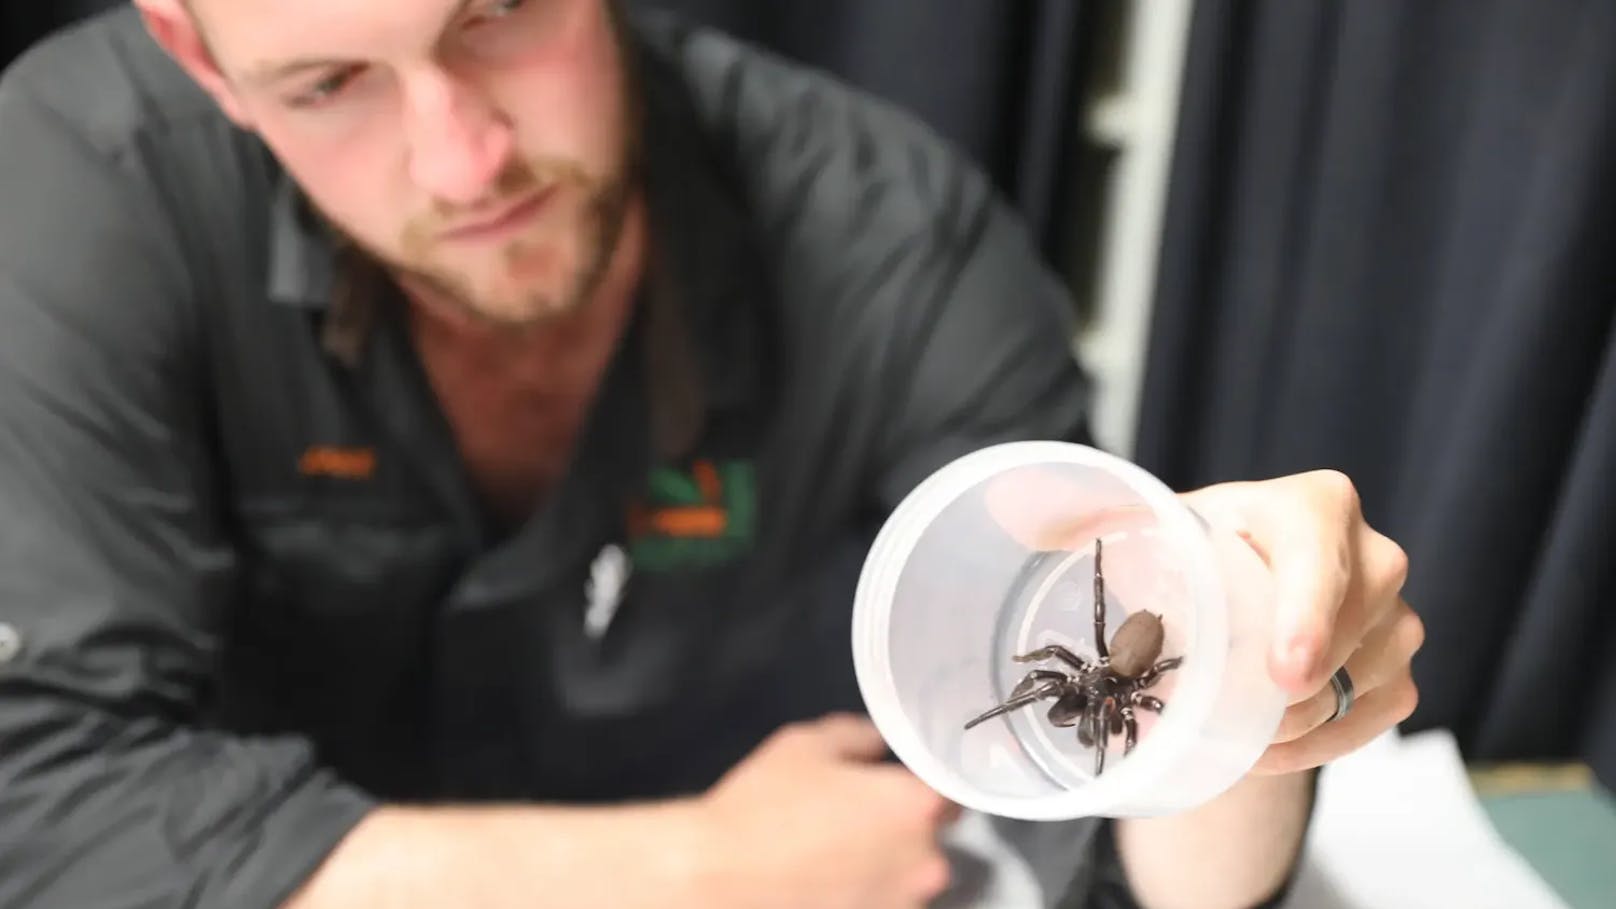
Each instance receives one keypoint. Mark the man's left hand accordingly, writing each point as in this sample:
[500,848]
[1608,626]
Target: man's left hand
[1338,593]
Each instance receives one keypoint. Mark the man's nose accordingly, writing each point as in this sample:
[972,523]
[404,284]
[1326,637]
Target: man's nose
[458,140]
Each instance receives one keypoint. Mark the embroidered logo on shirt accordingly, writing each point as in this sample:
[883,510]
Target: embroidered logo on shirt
[335,461]
[704,515]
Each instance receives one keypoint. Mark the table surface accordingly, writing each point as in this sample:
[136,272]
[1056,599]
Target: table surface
[1561,821]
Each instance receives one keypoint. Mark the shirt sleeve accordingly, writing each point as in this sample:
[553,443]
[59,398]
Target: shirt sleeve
[987,342]
[115,568]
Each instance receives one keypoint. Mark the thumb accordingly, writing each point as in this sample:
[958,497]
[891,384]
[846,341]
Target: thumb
[848,735]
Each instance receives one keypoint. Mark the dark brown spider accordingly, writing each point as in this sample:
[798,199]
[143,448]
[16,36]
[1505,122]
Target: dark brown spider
[1097,697]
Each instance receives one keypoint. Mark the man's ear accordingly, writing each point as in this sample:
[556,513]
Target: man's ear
[175,29]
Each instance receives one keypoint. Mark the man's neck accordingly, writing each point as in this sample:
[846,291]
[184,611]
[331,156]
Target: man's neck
[531,350]
[517,401]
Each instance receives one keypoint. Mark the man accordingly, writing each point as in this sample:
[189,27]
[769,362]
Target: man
[438,440]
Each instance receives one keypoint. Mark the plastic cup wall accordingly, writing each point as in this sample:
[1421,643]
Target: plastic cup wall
[948,594]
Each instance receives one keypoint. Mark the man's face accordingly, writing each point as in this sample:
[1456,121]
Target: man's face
[479,147]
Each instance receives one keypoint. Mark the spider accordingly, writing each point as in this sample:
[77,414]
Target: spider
[1097,697]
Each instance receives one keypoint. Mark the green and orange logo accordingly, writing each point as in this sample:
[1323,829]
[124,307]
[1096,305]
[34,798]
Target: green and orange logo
[694,518]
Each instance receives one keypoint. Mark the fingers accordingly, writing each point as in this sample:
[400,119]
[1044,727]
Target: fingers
[850,736]
[845,735]
[1312,550]
[931,877]
[1338,590]
[1039,508]
[1335,576]
[1045,510]
[911,793]
[1371,715]
[1373,601]
[1384,657]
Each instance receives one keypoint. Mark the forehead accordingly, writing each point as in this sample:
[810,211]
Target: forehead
[246,34]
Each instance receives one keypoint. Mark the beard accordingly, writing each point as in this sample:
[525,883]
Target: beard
[548,271]
[573,238]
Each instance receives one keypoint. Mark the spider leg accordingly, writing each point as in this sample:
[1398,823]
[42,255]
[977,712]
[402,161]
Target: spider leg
[1055,652]
[1132,725]
[1033,678]
[1154,675]
[1015,702]
[1099,605]
[1148,702]
[1086,724]
[1068,710]
[1102,734]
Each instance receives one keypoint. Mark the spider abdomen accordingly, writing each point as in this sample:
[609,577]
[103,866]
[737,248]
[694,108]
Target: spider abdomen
[1137,644]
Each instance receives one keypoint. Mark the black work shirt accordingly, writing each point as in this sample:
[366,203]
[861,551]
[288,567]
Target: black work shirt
[246,590]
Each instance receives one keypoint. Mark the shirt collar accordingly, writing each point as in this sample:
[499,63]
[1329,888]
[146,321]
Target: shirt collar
[302,255]
[707,293]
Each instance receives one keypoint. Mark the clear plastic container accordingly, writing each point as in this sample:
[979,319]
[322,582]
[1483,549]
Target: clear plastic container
[994,556]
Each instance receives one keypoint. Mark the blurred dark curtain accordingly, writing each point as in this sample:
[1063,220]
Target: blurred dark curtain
[23,22]
[1391,249]
[1000,79]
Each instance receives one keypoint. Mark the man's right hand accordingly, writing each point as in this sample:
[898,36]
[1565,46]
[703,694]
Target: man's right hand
[812,817]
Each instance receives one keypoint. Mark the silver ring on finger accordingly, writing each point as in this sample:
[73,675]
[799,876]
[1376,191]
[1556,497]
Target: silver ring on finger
[1344,694]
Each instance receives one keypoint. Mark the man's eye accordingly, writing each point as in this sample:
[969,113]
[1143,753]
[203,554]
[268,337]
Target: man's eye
[325,89]
[498,9]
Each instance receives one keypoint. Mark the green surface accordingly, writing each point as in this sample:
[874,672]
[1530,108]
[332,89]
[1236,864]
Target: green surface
[1565,827]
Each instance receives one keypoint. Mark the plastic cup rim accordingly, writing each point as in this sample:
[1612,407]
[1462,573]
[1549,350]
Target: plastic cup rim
[1119,788]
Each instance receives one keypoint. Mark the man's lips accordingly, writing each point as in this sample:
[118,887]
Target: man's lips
[502,221]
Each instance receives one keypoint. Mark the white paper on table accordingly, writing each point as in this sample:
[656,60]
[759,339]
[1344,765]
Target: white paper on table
[1398,826]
